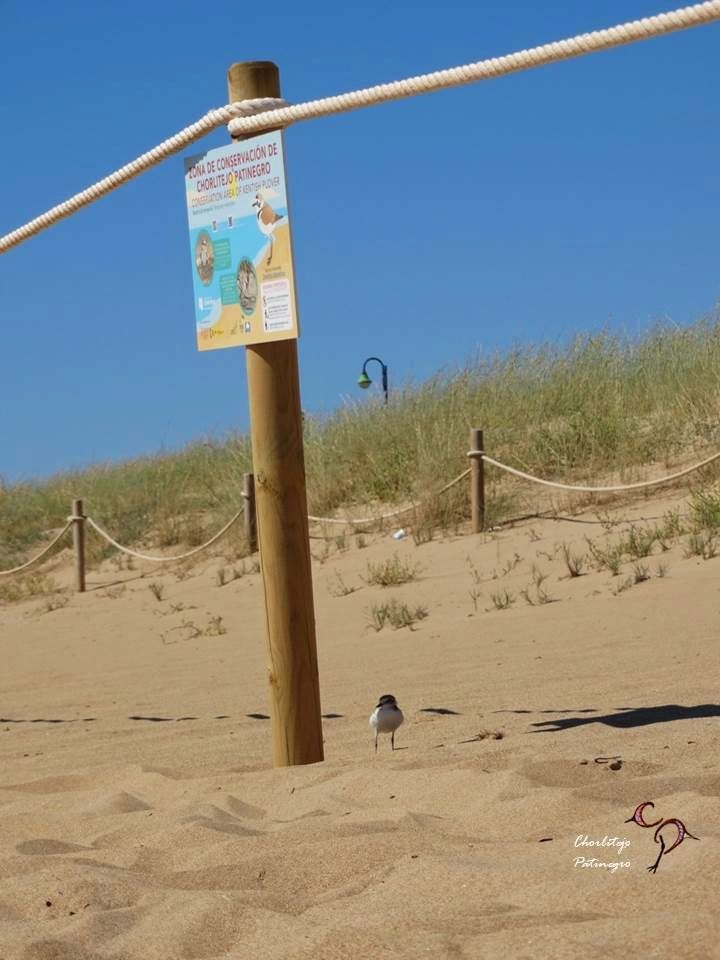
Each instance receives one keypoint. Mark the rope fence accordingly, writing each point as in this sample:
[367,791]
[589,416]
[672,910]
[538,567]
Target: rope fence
[145,556]
[258,115]
[362,521]
[41,555]
[477,455]
[617,488]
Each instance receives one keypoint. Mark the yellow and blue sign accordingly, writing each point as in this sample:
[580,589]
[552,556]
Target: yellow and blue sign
[240,244]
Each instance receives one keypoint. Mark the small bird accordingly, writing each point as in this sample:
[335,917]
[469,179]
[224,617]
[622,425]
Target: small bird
[386,718]
[267,219]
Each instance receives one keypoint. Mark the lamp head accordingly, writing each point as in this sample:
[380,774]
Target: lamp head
[364,380]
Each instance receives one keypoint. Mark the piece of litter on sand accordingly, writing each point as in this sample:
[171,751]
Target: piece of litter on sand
[399,535]
[544,839]
[615,765]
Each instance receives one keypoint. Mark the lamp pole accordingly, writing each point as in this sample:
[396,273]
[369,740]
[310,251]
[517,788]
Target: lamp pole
[364,380]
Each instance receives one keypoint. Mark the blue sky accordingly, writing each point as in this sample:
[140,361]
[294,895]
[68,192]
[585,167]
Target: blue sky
[519,210]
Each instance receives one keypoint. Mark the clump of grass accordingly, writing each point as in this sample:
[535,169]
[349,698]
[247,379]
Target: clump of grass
[702,544]
[669,530]
[609,557]
[338,588]
[395,613]
[641,572]
[639,542]
[625,584]
[705,510]
[502,599]
[423,533]
[575,562]
[474,572]
[215,627]
[29,585]
[113,593]
[189,630]
[392,572]
[157,590]
[475,595]
[56,602]
[223,575]
[535,593]
[360,541]
[511,564]
[322,554]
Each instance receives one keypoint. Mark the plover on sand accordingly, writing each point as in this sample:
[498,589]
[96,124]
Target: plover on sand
[386,718]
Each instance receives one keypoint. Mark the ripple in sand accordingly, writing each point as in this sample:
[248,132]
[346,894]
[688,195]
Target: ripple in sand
[45,847]
[214,818]
[116,803]
[53,784]
[242,809]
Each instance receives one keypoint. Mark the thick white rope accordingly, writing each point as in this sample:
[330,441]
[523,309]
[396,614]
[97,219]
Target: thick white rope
[253,117]
[584,43]
[48,548]
[203,126]
[582,489]
[356,522]
[145,556]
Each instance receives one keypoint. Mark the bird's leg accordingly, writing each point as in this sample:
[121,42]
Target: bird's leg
[376,736]
[269,259]
[392,740]
[653,868]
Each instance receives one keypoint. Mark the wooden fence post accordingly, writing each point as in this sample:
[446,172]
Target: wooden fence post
[78,535]
[477,482]
[282,522]
[249,512]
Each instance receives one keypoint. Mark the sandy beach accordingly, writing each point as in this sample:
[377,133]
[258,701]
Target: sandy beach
[141,818]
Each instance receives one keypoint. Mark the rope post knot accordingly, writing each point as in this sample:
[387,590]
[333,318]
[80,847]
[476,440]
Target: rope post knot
[77,519]
[477,480]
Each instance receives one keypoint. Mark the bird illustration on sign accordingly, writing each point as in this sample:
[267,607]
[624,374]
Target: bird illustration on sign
[267,218]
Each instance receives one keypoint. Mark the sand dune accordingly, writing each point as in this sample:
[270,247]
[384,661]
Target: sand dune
[140,818]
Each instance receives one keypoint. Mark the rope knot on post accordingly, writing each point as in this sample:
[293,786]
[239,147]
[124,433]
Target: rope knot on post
[249,108]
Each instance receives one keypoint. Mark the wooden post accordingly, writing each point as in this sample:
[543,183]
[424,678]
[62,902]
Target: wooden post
[477,482]
[250,521]
[282,524]
[78,535]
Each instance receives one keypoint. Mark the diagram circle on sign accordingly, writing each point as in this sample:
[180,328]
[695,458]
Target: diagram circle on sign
[204,257]
[247,287]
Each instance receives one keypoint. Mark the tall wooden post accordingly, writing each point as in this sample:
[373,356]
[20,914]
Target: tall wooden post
[281,504]
[78,535]
[477,482]
[249,512]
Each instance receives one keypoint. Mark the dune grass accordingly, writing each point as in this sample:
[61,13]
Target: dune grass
[604,404]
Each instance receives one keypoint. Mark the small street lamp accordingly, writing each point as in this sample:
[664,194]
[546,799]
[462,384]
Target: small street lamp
[364,380]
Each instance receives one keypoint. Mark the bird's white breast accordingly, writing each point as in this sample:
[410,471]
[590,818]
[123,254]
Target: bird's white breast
[386,719]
